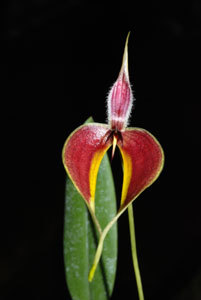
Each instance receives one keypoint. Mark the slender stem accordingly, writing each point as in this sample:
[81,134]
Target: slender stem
[134,252]
[100,246]
[95,220]
[96,258]
[96,223]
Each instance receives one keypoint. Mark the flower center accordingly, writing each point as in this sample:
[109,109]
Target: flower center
[115,137]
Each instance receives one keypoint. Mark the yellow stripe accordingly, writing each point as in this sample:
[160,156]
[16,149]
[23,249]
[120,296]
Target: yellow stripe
[127,171]
[95,164]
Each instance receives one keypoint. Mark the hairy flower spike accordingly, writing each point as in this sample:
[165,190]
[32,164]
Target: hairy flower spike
[120,98]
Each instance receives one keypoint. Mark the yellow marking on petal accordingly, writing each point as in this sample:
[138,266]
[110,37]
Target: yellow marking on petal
[127,170]
[95,164]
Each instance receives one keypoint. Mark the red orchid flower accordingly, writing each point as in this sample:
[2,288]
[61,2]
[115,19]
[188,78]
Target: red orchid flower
[142,154]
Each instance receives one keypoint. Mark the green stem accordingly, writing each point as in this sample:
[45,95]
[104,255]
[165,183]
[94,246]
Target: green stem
[134,252]
[100,247]
[95,220]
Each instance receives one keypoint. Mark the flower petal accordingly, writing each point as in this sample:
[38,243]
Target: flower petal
[143,161]
[120,98]
[82,155]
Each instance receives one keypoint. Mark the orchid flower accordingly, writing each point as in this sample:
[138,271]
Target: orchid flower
[84,149]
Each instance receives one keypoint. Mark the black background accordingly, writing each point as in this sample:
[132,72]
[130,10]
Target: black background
[59,59]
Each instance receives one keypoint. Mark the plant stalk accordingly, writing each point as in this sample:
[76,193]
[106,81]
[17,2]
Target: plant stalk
[134,252]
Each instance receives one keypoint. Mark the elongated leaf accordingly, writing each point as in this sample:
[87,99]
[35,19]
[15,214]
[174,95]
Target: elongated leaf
[80,239]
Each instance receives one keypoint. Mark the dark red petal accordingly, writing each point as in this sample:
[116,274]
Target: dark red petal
[82,155]
[143,160]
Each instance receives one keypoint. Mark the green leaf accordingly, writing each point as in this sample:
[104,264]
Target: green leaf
[81,239]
